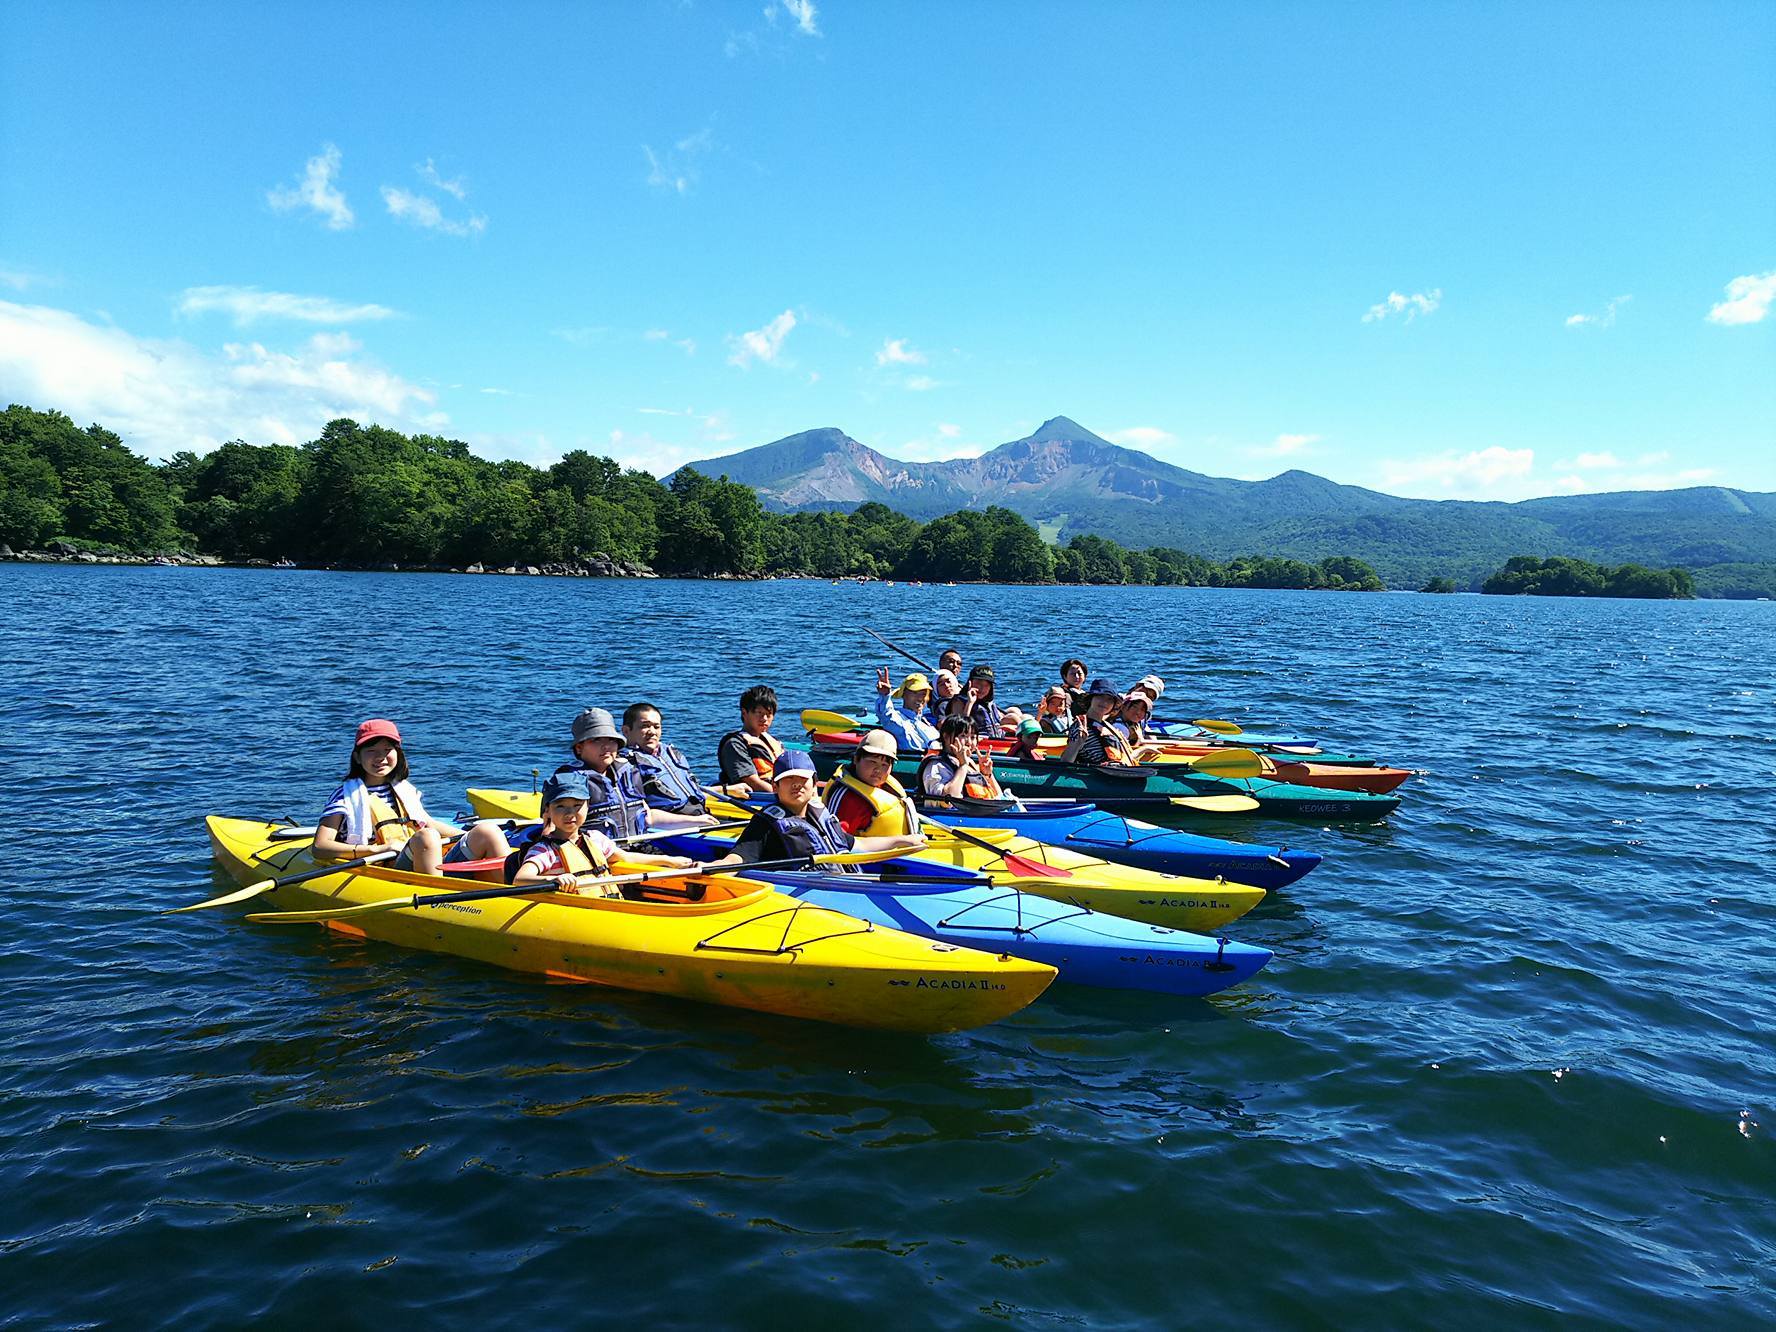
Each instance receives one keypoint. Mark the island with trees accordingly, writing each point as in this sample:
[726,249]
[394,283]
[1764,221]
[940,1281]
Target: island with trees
[1562,576]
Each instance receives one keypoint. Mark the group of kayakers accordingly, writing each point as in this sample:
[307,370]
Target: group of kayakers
[623,784]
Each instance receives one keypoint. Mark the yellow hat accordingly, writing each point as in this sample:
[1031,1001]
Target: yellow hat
[914,683]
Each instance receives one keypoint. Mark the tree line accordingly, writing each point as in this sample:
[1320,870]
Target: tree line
[1563,576]
[369,497]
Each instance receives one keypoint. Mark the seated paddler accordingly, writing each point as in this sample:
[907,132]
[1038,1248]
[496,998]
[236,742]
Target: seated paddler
[901,712]
[796,825]
[976,702]
[565,852]
[377,807]
[864,796]
[959,770]
[667,782]
[746,756]
[1093,740]
[619,806]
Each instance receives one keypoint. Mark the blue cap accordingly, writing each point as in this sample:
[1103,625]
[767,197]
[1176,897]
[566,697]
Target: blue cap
[791,760]
[1103,686]
[568,785]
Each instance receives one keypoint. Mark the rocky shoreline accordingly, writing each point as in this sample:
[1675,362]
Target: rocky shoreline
[591,566]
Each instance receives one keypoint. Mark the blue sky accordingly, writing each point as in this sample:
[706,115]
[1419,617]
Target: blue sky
[1445,250]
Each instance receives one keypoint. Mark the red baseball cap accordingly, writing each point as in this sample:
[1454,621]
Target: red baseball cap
[377,728]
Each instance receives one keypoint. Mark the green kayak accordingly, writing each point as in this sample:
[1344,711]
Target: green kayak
[1117,786]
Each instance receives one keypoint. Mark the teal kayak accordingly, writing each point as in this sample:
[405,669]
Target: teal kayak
[1147,791]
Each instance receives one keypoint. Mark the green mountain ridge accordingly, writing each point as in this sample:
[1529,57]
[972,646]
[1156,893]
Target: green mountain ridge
[1066,479]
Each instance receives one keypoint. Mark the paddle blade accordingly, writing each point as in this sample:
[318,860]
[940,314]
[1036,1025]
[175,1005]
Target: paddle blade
[1216,804]
[1228,763]
[238,895]
[1218,727]
[816,719]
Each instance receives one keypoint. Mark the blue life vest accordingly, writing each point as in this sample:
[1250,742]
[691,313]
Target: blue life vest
[813,833]
[618,807]
[667,781]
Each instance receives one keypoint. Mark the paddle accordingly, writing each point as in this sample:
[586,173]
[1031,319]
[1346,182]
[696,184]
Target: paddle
[1218,727]
[903,652]
[547,886]
[1207,804]
[1221,763]
[1021,867]
[818,719]
[266,885]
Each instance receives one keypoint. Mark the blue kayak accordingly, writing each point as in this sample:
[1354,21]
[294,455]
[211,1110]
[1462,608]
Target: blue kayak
[1086,947]
[1092,831]
[1173,729]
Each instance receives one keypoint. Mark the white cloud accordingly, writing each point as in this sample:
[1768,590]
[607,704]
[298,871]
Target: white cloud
[676,170]
[1481,470]
[1420,302]
[497,392]
[1689,476]
[803,12]
[947,430]
[1604,459]
[457,187]
[247,305]
[921,383]
[715,427]
[1603,320]
[1653,459]
[423,211]
[941,449]
[1748,300]
[1572,484]
[316,191]
[1142,437]
[896,352]
[582,335]
[166,395]
[761,344]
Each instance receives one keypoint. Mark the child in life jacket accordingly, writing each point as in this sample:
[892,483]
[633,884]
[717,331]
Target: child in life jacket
[376,807]
[570,855]
[959,770]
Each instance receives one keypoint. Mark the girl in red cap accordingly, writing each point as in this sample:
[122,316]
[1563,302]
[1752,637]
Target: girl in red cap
[376,808]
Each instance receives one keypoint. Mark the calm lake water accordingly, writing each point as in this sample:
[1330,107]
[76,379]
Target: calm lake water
[1515,1061]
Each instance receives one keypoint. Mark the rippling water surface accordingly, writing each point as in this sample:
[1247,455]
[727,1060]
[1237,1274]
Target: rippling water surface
[1515,1059]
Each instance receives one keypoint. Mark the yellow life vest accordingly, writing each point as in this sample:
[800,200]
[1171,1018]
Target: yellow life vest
[894,813]
[389,834]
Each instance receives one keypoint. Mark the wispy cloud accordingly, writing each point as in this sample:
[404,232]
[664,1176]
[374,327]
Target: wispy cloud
[687,345]
[423,211]
[1478,471]
[316,191]
[802,13]
[714,424]
[1284,446]
[947,430]
[1748,300]
[921,383]
[430,175]
[497,392]
[248,305]
[1604,320]
[677,169]
[1146,438]
[19,279]
[1420,302]
[761,344]
[164,395]
[581,335]
[895,351]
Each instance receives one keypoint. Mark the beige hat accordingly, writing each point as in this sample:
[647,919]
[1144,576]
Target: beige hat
[1150,685]
[879,742]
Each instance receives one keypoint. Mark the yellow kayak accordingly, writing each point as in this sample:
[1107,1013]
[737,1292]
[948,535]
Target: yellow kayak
[1128,891]
[743,944]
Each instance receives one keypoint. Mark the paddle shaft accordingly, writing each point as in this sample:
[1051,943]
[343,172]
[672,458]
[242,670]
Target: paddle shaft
[894,648]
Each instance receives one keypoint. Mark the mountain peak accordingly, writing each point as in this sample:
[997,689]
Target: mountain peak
[1063,428]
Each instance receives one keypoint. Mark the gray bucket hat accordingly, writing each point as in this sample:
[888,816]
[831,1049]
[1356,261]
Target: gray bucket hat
[595,724]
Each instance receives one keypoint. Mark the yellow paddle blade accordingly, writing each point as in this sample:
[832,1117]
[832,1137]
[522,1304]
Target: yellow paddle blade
[238,895]
[857,857]
[1217,804]
[1218,727]
[816,719]
[1228,763]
